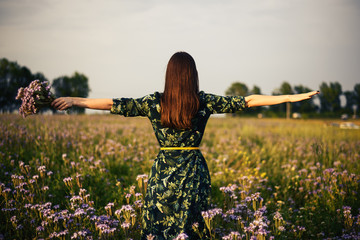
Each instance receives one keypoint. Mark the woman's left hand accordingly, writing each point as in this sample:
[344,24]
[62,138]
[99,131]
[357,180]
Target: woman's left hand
[302,96]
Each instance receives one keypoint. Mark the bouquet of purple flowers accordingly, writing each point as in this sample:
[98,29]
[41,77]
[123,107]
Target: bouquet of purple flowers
[34,97]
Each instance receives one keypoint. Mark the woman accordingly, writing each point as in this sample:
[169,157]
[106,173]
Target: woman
[179,184]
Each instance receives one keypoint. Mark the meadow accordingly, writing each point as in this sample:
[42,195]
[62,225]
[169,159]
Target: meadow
[85,177]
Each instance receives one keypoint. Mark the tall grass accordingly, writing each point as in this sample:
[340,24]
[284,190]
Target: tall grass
[84,177]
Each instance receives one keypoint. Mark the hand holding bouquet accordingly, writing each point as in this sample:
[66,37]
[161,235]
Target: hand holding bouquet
[34,97]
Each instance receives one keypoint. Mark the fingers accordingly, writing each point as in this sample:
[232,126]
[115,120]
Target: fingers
[60,104]
[313,93]
[63,106]
[54,102]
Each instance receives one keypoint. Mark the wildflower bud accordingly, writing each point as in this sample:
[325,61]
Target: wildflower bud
[49,173]
[195,226]
[127,197]
[132,190]
[78,180]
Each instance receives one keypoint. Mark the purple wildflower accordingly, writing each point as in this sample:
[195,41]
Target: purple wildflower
[181,236]
[40,229]
[210,214]
[125,225]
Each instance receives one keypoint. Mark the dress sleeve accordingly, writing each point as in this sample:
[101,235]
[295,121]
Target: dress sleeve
[224,104]
[130,107]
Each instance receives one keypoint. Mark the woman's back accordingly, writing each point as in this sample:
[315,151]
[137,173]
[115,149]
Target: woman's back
[149,106]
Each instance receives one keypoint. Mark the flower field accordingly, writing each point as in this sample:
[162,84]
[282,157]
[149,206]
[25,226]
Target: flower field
[84,177]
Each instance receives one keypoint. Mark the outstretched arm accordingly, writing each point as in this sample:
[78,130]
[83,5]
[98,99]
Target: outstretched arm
[64,103]
[262,100]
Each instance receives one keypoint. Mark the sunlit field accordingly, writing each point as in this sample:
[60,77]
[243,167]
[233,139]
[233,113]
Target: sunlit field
[84,177]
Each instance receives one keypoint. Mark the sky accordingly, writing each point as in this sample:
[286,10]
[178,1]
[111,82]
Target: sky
[123,46]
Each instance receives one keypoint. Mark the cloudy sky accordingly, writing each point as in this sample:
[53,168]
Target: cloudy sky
[123,46]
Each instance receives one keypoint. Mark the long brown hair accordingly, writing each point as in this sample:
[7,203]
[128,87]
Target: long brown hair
[180,100]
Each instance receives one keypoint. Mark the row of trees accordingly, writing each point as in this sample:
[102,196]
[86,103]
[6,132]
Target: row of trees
[13,76]
[329,98]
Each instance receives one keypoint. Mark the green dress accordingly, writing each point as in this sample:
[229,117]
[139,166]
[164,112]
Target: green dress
[179,183]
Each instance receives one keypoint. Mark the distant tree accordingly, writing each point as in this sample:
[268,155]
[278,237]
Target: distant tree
[303,106]
[74,86]
[353,99]
[330,97]
[255,90]
[237,89]
[350,101]
[284,89]
[12,77]
[357,95]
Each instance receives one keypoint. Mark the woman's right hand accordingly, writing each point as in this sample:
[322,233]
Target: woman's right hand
[62,103]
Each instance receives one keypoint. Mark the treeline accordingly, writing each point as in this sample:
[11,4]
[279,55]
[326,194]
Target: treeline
[329,100]
[13,76]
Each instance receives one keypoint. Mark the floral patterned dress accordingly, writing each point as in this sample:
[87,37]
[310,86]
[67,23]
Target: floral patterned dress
[179,183]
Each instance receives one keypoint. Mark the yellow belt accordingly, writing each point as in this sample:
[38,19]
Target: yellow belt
[179,148]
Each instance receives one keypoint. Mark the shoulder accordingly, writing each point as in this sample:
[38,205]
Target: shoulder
[203,95]
[151,97]
[208,97]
